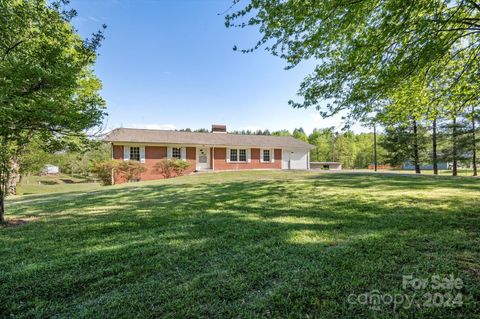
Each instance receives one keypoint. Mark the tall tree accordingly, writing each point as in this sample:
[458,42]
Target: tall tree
[406,143]
[300,134]
[434,146]
[375,161]
[324,141]
[47,86]
[416,153]
[474,116]
[456,144]
[282,133]
[404,111]
[365,49]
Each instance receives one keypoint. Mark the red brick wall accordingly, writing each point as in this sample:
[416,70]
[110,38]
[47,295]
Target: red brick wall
[220,162]
[192,159]
[117,155]
[153,154]
[117,152]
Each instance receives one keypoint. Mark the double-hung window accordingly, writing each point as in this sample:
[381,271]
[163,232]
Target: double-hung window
[234,155]
[238,155]
[135,154]
[242,155]
[266,156]
[176,152]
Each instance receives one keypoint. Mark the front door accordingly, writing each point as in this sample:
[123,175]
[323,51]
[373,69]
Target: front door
[285,159]
[203,158]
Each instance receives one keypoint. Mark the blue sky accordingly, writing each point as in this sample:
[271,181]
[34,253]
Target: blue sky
[170,64]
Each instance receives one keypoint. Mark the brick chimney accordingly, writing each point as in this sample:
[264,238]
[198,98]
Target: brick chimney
[216,128]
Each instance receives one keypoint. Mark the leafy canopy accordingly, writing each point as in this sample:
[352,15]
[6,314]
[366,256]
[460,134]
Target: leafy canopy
[364,49]
[47,85]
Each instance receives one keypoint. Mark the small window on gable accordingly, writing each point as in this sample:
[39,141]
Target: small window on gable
[233,155]
[176,152]
[135,154]
[266,155]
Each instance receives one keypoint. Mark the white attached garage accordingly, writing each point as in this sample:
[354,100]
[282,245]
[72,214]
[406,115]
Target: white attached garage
[295,159]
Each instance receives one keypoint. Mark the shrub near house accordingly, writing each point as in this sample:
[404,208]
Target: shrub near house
[127,171]
[104,170]
[131,170]
[169,168]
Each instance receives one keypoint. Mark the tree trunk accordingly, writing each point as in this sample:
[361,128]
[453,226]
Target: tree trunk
[14,176]
[474,143]
[415,148]
[434,147]
[375,147]
[454,147]
[2,206]
[3,178]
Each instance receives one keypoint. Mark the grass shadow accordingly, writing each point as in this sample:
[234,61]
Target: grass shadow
[283,245]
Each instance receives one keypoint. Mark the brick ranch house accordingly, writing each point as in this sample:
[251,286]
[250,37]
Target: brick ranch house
[214,151]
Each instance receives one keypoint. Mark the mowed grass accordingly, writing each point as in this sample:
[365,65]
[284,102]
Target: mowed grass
[460,172]
[54,184]
[247,244]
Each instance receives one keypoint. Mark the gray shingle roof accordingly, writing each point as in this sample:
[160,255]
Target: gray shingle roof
[130,135]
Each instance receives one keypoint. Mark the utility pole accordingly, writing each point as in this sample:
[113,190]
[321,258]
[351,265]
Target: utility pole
[375,146]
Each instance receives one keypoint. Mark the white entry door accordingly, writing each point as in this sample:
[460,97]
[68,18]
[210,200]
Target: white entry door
[203,158]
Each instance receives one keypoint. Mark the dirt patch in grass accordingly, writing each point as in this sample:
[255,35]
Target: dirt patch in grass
[14,222]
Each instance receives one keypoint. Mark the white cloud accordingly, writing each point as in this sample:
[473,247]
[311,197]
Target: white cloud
[153,126]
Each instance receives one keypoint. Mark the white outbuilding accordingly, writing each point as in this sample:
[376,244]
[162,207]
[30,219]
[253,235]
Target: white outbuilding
[50,169]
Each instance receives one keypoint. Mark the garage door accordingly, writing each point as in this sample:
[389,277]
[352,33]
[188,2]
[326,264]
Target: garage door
[294,159]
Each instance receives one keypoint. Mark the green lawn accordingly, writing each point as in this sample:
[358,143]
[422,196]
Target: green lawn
[54,184]
[460,172]
[250,244]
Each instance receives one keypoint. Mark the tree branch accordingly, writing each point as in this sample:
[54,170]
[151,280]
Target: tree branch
[10,49]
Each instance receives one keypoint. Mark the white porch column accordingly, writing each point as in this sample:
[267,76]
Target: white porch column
[213,158]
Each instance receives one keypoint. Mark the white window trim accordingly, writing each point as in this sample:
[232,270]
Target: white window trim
[272,155]
[248,151]
[142,154]
[183,152]
[126,152]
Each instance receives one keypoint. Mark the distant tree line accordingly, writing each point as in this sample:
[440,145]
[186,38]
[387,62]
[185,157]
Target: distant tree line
[448,139]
